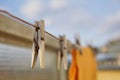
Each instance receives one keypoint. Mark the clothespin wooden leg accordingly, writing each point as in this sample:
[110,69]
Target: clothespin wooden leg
[59,60]
[65,60]
[35,48]
[41,54]
[65,52]
[42,43]
[33,61]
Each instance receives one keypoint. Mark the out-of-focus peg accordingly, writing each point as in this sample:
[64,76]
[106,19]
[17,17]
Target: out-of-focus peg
[65,52]
[63,44]
[77,40]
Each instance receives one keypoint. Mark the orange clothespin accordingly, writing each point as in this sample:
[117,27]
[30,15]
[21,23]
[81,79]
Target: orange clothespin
[39,44]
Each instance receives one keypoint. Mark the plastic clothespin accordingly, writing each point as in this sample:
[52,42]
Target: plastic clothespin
[63,54]
[39,44]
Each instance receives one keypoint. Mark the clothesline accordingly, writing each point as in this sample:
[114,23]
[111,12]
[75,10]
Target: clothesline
[71,45]
[65,46]
[19,19]
[82,67]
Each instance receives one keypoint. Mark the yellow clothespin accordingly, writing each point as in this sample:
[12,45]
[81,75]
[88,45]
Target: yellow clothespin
[39,44]
[62,54]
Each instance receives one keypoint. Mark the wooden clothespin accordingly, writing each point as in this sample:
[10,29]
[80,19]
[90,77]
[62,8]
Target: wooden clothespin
[39,44]
[69,45]
[94,49]
[42,44]
[65,52]
[62,53]
[35,46]
[77,41]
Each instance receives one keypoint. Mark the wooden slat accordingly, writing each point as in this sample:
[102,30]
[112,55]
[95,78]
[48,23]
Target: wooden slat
[16,33]
[15,64]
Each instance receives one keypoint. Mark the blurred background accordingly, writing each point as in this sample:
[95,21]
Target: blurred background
[97,22]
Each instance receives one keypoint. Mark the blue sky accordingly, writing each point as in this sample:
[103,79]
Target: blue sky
[95,20]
